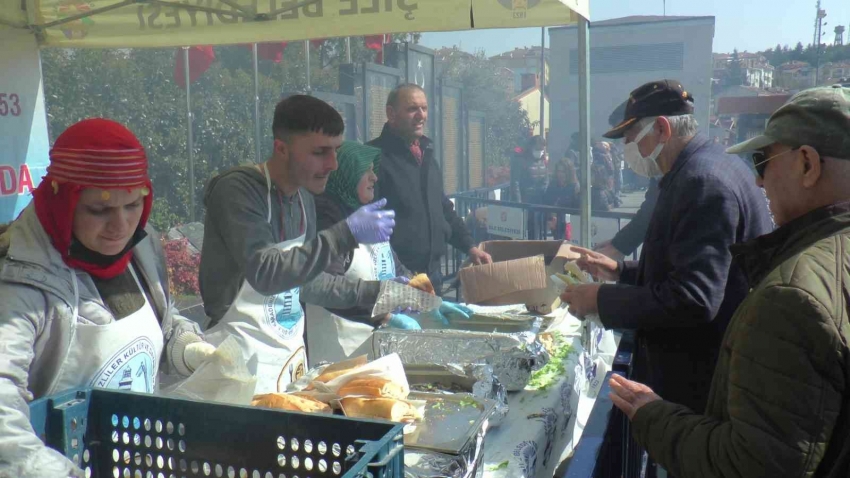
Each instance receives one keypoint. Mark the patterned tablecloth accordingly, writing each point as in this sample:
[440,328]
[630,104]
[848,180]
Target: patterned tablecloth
[543,426]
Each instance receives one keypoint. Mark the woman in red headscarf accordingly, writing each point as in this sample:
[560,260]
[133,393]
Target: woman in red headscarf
[84,290]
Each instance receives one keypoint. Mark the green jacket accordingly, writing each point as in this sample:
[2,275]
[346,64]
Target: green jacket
[779,404]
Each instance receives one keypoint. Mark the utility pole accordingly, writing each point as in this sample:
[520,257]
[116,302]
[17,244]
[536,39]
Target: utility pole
[821,14]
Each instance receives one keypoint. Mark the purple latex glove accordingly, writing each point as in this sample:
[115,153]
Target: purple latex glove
[370,224]
[401,280]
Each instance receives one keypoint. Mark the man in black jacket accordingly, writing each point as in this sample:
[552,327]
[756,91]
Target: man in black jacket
[684,290]
[411,181]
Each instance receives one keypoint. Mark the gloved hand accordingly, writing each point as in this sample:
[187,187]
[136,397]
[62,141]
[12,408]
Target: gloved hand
[450,311]
[370,224]
[401,280]
[404,322]
[196,353]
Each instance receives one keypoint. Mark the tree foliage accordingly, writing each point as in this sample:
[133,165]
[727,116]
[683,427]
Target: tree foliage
[736,76]
[487,89]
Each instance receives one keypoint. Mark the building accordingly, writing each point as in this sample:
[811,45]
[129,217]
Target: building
[626,53]
[525,65]
[756,70]
[749,114]
[833,72]
[529,100]
[796,75]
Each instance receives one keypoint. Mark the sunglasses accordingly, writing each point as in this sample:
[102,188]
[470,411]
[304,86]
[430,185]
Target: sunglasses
[760,160]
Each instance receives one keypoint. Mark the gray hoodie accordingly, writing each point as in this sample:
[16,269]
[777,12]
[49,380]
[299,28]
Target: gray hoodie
[240,245]
[37,300]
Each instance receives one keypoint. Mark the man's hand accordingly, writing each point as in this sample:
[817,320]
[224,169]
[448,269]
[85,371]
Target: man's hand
[478,257]
[582,299]
[629,396]
[598,265]
[609,250]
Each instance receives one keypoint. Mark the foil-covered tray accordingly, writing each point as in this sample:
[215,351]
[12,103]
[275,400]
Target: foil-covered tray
[513,356]
[477,379]
[450,423]
[429,464]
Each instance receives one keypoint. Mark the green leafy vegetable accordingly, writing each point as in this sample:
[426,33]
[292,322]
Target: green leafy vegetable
[547,376]
[501,466]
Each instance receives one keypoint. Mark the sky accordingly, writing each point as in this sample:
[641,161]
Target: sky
[748,25]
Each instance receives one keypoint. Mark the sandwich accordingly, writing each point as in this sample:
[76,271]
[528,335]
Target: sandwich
[384,408]
[423,283]
[372,387]
[293,403]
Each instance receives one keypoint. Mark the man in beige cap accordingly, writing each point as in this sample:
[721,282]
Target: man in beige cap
[780,398]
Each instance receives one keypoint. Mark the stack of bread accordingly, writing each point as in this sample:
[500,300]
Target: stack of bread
[357,388]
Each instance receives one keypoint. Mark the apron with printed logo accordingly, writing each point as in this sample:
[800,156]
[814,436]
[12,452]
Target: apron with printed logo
[123,355]
[330,338]
[270,327]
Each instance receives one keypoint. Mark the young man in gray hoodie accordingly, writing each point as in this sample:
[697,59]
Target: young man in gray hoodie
[262,255]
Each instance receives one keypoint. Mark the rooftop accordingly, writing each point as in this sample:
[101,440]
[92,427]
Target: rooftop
[527,52]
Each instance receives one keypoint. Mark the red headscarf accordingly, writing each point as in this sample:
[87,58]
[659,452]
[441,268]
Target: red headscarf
[94,153]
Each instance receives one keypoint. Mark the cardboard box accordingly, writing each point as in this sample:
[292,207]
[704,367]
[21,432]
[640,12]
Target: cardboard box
[519,274]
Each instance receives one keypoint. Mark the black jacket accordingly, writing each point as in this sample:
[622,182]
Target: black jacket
[529,178]
[632,234]
[425,218]
[684,290]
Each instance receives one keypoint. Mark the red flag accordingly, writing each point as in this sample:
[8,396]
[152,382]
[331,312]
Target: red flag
[200,60]
[376,42]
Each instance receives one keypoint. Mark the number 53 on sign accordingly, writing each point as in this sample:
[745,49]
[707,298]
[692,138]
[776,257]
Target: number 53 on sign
[10,104]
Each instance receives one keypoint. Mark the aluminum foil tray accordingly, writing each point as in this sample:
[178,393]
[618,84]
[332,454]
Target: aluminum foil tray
[513,356]
[450,424]
[478,380]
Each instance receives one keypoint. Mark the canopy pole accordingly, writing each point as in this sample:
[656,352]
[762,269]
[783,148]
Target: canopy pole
[584,125]
[189,139]
[257,158]
[307,62]
[542,82]
[348,49]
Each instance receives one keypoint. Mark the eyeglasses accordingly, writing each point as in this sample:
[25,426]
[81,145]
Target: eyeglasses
[760,160]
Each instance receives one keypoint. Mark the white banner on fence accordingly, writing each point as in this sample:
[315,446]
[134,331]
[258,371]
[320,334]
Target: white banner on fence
[601,229]
[506,222]
[23,122]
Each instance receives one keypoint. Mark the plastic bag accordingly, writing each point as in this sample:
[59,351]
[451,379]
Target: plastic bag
[224,377]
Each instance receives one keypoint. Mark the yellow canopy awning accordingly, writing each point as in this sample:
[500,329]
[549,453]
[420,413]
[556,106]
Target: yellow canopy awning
[165,23]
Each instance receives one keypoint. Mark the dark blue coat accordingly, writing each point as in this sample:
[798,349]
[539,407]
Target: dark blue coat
[685,288]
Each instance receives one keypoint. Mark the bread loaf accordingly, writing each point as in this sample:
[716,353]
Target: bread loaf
[385,408]
[338,369]
[289,402]
[372,387]
[423,283]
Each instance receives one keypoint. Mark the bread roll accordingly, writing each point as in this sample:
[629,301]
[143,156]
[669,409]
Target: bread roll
[372,387]
[338,369]
[423,283]
[292,403]
[385,408]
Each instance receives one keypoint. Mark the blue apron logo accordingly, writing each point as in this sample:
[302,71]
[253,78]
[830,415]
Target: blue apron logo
[132,368]
[283,311]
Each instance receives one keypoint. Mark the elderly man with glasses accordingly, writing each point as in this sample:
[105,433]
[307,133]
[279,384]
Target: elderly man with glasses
[680,296]
[780,399]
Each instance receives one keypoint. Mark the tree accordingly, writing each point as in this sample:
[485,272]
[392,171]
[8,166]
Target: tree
[797,54]
[736,76]
[490,92]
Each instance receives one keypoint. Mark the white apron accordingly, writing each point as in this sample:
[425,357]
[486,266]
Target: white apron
[122,355]
[331,338]
[270,327]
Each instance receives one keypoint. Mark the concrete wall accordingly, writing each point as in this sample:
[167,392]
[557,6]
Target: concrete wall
[647,52]
[531,104]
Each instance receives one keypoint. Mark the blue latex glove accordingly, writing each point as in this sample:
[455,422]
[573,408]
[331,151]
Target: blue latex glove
[449,311]
[370,224]
[404,322]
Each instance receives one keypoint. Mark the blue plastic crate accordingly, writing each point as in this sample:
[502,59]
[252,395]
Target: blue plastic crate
[128,435]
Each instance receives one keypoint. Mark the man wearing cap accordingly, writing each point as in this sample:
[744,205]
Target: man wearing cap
[780,400]
[682,293]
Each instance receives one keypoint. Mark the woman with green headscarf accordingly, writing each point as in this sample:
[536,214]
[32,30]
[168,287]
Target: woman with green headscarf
[334,335]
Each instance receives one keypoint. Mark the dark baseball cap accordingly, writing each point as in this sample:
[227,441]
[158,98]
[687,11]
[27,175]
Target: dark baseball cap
[817,117]
[658,98]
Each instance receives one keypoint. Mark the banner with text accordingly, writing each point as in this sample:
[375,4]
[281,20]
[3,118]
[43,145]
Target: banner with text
[24,143]
[163,23]
[506,222]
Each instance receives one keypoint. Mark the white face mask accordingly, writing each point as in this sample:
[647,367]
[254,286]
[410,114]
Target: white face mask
[644,166]
[537,153]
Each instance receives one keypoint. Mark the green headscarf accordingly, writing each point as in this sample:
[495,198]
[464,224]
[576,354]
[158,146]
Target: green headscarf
[354,160]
